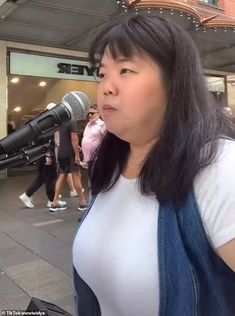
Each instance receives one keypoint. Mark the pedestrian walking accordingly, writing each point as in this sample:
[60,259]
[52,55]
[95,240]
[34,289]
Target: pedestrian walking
[69,162]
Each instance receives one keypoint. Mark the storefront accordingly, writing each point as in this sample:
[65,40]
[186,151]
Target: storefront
[35,80]
[32,77]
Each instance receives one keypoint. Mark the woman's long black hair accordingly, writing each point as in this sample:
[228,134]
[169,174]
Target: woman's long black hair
[193,122]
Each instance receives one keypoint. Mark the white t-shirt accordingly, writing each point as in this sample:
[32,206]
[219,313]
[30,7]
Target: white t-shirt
[115,249]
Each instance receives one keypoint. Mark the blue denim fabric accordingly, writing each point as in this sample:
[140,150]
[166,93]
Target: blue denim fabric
[215,280]
[86,303]
[194,281]
[175,276]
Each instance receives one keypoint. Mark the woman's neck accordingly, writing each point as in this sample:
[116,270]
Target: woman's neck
[137,156]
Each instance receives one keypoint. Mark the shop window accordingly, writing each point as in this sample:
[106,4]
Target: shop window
[212,2]
[216,86]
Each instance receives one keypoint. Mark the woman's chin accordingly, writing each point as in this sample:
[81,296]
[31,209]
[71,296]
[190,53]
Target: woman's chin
[117,131]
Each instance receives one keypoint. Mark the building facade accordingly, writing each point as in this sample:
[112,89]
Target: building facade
[226,6]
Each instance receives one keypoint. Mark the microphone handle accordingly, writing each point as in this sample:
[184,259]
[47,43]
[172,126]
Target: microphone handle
[18,138]
[43,125]
[50,120]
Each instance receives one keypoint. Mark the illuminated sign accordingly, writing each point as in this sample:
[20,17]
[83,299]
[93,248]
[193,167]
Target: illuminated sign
[50,67]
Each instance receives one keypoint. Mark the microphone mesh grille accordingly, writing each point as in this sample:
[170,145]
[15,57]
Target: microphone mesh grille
[79,103]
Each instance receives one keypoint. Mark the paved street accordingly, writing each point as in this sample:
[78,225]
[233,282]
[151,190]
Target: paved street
[35,246]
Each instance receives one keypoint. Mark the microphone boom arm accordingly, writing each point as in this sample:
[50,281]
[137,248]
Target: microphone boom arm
[24,158]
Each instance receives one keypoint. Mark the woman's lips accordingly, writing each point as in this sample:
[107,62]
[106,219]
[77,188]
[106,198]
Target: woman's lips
[108,109]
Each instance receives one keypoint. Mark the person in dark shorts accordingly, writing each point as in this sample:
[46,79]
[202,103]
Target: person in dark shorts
[69,162]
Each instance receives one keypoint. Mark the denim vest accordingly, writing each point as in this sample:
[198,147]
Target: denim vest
[194,281]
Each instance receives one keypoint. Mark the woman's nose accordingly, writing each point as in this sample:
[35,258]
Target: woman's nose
[107,92]
[110,88]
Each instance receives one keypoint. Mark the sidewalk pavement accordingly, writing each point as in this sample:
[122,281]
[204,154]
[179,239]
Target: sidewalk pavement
[35,247]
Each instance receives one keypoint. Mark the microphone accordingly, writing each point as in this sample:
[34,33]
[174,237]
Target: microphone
[74,106]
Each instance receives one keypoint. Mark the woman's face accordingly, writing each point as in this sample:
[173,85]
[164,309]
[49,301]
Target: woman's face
[131,97]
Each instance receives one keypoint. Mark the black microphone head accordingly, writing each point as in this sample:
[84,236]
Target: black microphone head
[78,105]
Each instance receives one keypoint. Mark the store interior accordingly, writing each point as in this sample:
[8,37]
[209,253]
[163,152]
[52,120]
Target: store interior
[28,96]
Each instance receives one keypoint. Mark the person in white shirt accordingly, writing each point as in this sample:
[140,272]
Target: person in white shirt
[159,235]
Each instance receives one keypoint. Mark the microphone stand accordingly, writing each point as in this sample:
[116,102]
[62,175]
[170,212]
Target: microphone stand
[24,158]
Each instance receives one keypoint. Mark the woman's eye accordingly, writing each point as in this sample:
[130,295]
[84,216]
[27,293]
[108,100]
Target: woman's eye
[125,71]
[99,76]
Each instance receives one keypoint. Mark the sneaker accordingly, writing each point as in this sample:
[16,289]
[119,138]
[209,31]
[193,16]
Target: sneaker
[60,203]
[26,200]
[49,203]
[57,207]
[73,194]
[82,207]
